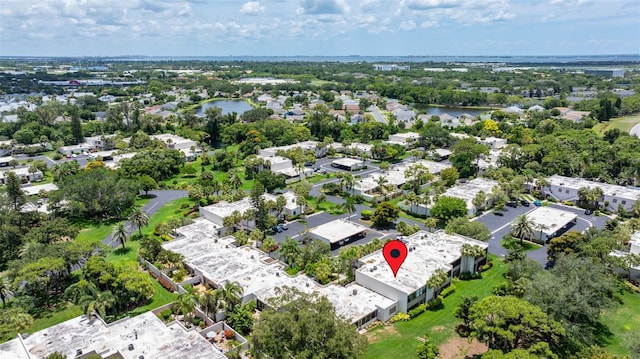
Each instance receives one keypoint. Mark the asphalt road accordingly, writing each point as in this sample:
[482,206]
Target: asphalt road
[161,198]
[501,225]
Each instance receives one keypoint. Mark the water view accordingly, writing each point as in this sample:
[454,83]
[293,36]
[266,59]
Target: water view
[227,106]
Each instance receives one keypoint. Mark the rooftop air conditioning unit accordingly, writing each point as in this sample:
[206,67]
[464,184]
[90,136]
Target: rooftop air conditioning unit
[355,291]
[277,274]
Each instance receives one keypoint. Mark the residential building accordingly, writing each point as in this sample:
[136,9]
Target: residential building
[632,270]
[37,189]
[408,139]
[217,212]
[23,173]
[348,164]
[142,336]
[548,222]
[467,192]
[216,261]
[428,252]
[566,189]
[339,232]
[391,67]
[75,149]
[186,146]
[4,161]
[605,72]
[314,146]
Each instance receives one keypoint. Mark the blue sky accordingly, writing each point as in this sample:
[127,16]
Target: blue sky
[318,27]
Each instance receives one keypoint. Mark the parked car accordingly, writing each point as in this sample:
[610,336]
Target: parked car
[498,213]
[588,211]
[512,204]
[277,229]
[537,203]
[525,203]
[284,226]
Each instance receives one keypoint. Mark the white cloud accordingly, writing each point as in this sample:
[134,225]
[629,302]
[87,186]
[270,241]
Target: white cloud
[252,8]
[407,25]
[431,4]
[429,23]
[571,3]
[318,7]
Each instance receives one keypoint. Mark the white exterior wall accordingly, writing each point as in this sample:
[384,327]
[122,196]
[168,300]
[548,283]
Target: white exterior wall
[383,289]
[211,216]
[570,194]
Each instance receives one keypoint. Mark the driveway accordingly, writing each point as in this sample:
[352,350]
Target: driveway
[161,197]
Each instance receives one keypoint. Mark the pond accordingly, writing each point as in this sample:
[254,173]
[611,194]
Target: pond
[452,111]
[227,106]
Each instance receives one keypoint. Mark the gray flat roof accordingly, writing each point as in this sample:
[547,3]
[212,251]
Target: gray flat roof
[428,252]
[348,162]
[337,230]
[154,339]
[554,219]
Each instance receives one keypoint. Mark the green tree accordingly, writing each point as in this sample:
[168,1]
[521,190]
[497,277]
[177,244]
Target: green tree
[349,204]
[56,355]
[139,218]
[427,350]
[464,156]
[385,214]
[472,229]
[13,190]
[5,290]
[479,200]
[464,309]
[522,227]
[431,223]
[120,234]
[232,294]
[99,302]
[185,303]
[299,325]
[147,183]
[241,318]
[12,321]
[437,280]
[509,323]
[473,251]
[289,251]
[449,176]
[211,302]
[567,243]
[447,208]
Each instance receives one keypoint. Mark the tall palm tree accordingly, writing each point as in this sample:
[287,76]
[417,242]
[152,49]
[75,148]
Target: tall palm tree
[211,301]
[437,280]
[383,186]
[540,228]
[350,204]
[185,304]
[522,227]
[79,289]
[233,179]
[232,294]
[347,181]
[99,302]
[472,251]
[431,223]
[120,234]
[289,251]
[412,198]
[139,218]
[5,290]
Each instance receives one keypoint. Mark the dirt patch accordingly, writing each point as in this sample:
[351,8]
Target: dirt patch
[438,328]
[381,333]
[461,348]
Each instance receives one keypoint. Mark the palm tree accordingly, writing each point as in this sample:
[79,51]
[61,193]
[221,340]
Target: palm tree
[431,223]
[185,303]
[437,280]
[349,204]
[80,289]
[541,227]
[99,302]
[120,234]
[233,179]
[542,183]
[139,218]
[522,227]
[30,248]
[232,294]
[5,290]
[472,251]
[412,198]
[347,181]
[289,251]
[211,301]
[383,186]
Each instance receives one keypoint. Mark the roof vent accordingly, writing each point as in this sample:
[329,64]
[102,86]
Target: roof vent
[307,284]
[78,352]
[277,274]
[375,267]
[355,291]
[130,346]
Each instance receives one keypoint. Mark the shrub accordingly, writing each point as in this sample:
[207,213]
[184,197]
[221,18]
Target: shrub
[469,276]
[434,303]
[485,267]
[366,214]
[165,314]
[400,317]
[567,203]
[228,334]
[630,286]
[372,325]
[57,156]
[417,310]
[448,291]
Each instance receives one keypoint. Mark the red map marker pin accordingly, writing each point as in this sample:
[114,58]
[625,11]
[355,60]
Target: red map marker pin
[394,252]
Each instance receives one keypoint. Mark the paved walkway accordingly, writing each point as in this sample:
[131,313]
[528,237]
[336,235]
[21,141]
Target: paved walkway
[161,198]
[635,130]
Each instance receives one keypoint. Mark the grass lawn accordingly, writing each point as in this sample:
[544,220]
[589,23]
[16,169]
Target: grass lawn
[160,298]
[57,316]
[623,323]
[624,124]
[401,340]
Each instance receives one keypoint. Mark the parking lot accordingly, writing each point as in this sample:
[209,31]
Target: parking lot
[501,225]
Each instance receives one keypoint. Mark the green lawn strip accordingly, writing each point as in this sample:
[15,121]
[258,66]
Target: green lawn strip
[160,297]
[439,325]
[56,316]
[95,233]
[623,323]
[624,124]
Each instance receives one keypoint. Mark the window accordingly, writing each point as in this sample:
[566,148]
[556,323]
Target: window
[624,202]
[615,200]
[392,310]
[567,191]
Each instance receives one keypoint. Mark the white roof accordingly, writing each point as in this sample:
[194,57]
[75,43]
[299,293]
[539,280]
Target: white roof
[347,162]
[274,159]
[611,190]
[18,171]
[337,230]
[6,159]
[175,139]
[554,219]
[427,253]
[468,191]
[259,275]
[147,333]
[33,190]
[635,243]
